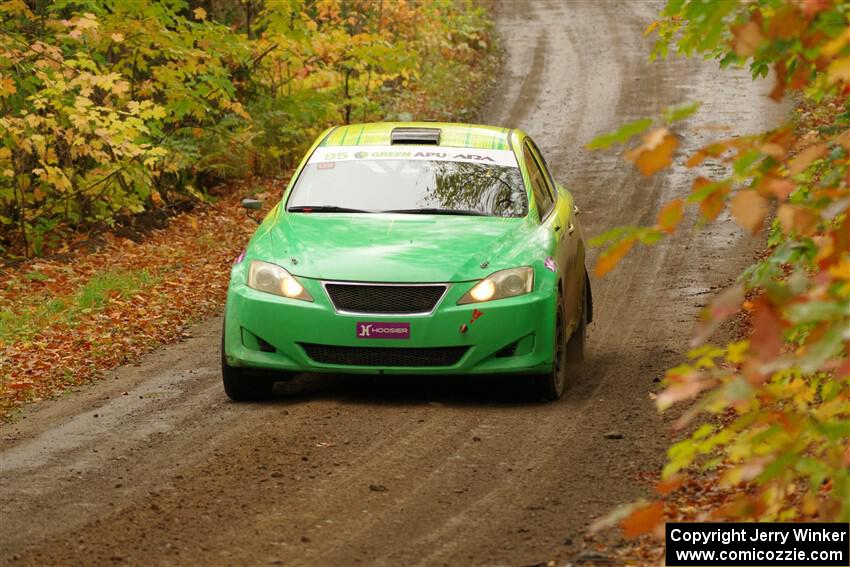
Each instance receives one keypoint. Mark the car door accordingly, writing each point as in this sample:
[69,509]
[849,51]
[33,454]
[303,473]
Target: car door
[557,214]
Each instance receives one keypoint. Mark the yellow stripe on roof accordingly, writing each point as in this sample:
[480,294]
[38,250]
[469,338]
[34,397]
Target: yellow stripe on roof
[451,134]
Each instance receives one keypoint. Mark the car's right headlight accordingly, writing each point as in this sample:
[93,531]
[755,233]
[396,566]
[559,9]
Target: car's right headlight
[501,284]
[271,278]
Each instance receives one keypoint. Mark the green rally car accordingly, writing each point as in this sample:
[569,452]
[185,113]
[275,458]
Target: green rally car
[412,248]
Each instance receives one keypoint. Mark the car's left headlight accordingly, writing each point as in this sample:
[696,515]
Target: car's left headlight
[271,278]
[501,284]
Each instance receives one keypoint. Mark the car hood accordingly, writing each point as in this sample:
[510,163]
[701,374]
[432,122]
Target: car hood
[396,247]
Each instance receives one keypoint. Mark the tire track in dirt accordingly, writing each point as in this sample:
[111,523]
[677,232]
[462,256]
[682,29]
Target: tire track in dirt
[423,471]
[529,90]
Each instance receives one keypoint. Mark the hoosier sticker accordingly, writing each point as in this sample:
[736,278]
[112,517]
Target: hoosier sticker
[383,330]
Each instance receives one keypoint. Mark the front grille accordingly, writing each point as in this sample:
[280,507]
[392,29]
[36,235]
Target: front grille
[384,356]
[385,299]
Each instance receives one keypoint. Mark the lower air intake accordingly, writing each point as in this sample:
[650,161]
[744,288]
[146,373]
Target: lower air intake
[384,356]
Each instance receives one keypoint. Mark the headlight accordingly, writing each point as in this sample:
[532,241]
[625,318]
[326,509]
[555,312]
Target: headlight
[270,278]
[506,283]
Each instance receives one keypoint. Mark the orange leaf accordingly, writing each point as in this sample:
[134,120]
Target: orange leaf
[712,204]
[656,152]
[712,150]
[786,23]
[773,150]
[782,188]
[749,209]
[727,303]
[643,520]
[665,487]
[747,38]
[800,77]
[805,158]
[611,257]
[670,216]
[778,92]
[766,339]
[812,7]
[797,219]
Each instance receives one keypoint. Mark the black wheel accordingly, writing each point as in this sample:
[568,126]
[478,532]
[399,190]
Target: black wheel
[575,346]
[553,384]
[241,384]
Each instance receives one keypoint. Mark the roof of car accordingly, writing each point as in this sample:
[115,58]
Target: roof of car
[451,134]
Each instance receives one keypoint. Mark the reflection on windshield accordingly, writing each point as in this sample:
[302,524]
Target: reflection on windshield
[381,185]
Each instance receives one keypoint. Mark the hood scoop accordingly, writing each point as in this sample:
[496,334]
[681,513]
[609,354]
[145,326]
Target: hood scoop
[417,136]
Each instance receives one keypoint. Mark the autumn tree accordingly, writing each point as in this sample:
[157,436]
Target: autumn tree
[112,108]
[781,396]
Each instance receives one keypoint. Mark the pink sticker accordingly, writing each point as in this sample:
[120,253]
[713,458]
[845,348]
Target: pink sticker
[383,330]
[550,264]
[326,165]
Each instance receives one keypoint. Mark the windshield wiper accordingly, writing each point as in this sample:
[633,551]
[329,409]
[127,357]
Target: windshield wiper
[323,209]
[436,211]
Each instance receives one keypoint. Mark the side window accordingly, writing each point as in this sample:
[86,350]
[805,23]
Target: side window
[542,196]
[542,161]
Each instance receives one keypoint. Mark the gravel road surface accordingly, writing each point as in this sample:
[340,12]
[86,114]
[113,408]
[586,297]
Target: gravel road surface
[154,466]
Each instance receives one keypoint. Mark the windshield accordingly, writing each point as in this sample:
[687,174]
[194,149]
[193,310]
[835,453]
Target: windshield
[409,186]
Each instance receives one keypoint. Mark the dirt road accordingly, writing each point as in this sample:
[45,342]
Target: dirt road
[155,466]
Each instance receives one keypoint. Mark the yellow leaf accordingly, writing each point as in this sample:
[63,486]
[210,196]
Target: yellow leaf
[749,209]
[611,257]
[656,152]
[735,352]
[836,44]
[117,37]
[839,70]
[120,87]
[7,86]
[200,13]
[841,270]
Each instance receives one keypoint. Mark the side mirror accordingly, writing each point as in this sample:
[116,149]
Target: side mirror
[252,204]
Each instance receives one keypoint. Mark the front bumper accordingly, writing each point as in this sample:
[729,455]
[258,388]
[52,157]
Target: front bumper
[513,335]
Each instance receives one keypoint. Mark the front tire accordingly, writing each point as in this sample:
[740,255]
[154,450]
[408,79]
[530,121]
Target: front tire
[552,385]
[241,384]
[575,346]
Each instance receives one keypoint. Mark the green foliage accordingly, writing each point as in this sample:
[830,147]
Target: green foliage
[680,112]
[783,394]
[623,134]
[109,108]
